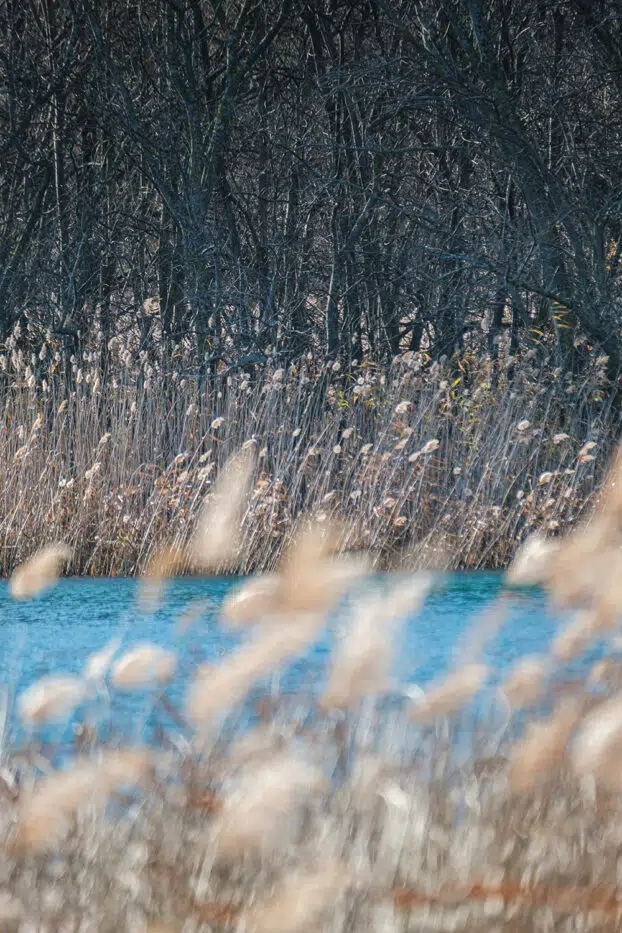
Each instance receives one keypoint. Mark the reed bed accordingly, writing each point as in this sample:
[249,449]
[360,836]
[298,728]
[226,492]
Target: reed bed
[364,805]
[458,460]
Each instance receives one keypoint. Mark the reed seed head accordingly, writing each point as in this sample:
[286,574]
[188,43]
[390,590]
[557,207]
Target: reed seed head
[162,565]
[47,810]
[216,541]
[597,749]
[216,688]
[51,699]
[542,751]
[251,602]
[531,564]
[362,663]
[253,816]
[98,664]
[446,697]
[526,682]
[573,640]
[301,903]
[143,665]
[40,572]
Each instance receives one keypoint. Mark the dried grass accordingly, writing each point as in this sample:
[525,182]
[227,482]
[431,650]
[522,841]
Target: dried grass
[217,539]
[161,566]
[532,564]
[575,637]
[98,664]
[310,580]
[218,687]
[363,662]
[597,748]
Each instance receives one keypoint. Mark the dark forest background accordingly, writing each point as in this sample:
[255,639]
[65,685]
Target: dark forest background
[210,184]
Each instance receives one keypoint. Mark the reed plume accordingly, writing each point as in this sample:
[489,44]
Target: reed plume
[448,696]
[143,665]
[216,541]
[542,751]
[301,903]
[51,699]
[310,579]
[531,564]
[253,601]
[575,637]
[98,664]
[47,810]
[161,566]
[526,682]
[218,687]
[254,815]
[39,572]
[191,615]
[597,748]
[362,663]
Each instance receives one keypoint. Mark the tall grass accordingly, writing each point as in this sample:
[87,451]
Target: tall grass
[424,458]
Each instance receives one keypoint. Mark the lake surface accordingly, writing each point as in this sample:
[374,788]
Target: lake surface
[58,631]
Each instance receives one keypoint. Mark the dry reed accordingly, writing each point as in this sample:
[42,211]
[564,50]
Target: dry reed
[217,539]
[121,471]
[310,579]
[46,811]
[52,699]
[254,815]
[218,687]
[143,665]
[40,572]
[576,636]
[363,662]
[300,904]
[538,756]
[98,664]
[526,682]
[598,746]
[449,695]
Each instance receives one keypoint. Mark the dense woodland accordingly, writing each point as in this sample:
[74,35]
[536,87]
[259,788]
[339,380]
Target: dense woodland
[205,185]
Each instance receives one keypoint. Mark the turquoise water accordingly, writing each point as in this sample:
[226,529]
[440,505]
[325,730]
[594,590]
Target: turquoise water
[57,632]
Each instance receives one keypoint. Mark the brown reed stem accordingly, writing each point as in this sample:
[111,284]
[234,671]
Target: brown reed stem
[560,898]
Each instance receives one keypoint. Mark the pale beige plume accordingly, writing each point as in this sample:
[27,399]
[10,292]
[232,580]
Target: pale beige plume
[216,541]
[39,572]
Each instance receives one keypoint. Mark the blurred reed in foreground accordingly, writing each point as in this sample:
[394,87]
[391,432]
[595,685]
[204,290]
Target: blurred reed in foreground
[366,804]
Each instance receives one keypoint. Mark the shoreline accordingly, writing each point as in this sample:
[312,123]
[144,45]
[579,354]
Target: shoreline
[233,577]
